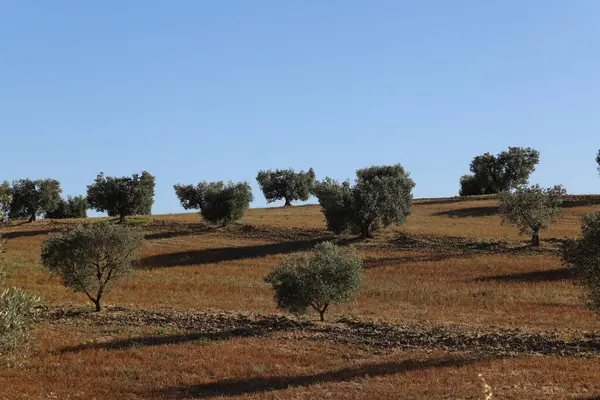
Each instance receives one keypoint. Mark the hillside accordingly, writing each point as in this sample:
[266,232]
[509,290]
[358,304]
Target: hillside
[447,296]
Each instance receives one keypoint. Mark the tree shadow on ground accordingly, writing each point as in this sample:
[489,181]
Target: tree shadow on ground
[18,234]
[209,256]
[189,231]
[239,387]
[471,212]
[590,201]
[549,275]
[162,340]
[487,211]
[378,262]
[451,245]
[456,199]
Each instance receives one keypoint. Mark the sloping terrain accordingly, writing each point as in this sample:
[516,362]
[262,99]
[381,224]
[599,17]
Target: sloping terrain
[450,295]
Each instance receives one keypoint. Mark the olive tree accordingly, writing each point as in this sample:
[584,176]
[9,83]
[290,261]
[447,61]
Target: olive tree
[122,196]
[505,171]
[583,255]
[532,209]
[91,258]
[16,312]
[219,203]
[328,274]
[598,160]
[286,184]
[33,198]
[71,207]
[382,195]
[5,199]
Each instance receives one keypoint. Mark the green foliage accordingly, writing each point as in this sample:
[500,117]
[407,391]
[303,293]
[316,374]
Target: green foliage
[494,174]
[16,307]
[91,258]
[33,198]
[469,186]
[337,204]
[382,195]
[329,274]
[286,184]
[532,209]
[5,199]
[145,190]
[219,203]
[72,207]
[583,255]
[598,160]
[122,196]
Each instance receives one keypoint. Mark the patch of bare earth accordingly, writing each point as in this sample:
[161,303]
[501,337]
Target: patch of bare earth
[375,336]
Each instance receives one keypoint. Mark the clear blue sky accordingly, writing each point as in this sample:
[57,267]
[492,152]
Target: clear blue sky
[197,90]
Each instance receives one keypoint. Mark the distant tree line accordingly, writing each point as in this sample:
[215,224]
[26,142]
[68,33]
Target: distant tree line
[119,197]
[379,196]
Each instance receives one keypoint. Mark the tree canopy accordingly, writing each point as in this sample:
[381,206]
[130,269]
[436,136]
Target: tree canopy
[494,174]
[122,196]
[219,203]
[71,207]
[382,195]
[286,184]
[33,198]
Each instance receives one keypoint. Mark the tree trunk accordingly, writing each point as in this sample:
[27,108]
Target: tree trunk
[322,312]
[535,238]
[365,231]
[97,304]
[121,217]
[287,203]
[32,218]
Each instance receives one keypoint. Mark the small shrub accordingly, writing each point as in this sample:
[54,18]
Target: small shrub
[532,209]
[583,255]
[91,258]
[329,274]
[219,203]
[15,314]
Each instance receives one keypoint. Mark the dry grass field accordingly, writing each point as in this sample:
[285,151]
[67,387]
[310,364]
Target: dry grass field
[448,296]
